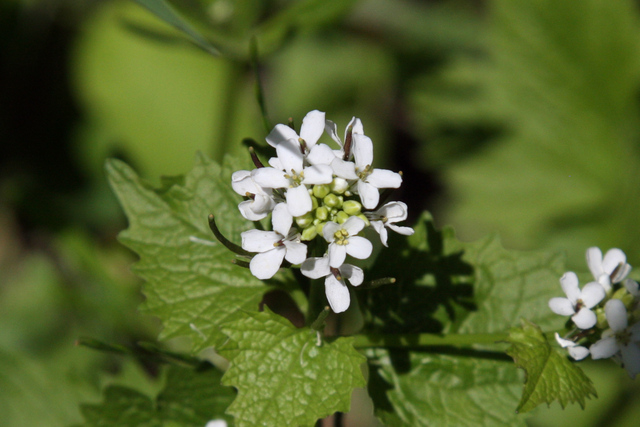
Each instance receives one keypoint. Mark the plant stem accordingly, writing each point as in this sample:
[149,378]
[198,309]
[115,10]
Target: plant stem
[425,340]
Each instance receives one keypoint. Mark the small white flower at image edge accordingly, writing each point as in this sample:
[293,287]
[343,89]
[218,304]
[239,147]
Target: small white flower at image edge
[610,269]
[619,339]
[216,423]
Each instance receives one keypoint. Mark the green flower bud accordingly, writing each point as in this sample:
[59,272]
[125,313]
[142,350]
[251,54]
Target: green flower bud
[352,207]
[601,322]
[331,200]
[339,185]
[322,213]
[314,202]
[309,233]
[365,219]
[321,191]
[342,217]
[305,220]
[319,227]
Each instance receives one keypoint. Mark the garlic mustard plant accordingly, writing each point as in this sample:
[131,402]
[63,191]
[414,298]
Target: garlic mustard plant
[316,193]
[605,314]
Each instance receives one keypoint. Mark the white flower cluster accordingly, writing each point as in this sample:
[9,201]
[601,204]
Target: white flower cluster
[605,312]
[315,192]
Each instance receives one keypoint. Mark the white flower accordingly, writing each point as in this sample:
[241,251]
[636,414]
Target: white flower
[274,246]
[216,423]
[288,172]
[369,180]
[310,131]
[260,201]
[620,338]
[578,303]
[334,285]
[387,216]
[576,351]
[613,268]
[354,127]
[343,240]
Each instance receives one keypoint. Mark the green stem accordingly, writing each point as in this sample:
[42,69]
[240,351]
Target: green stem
[425,340]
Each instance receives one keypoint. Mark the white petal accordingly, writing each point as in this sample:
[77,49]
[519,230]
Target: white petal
[393,211]
[315,268]
[275,163]
[564,343]
[242,183]
[383,178]
[259,241]
[632,287]
[612,259]
[332,129]
[605,281]
[359,247]
[298,200]
[337,254]
[357,126]
[616,314]
[604,348]
[270,178]
[281,219]
[280,134]
[631,358]
[321,154]
[578,352]
[354,274]
[290,155]
[369,195]
[344,169]
[407,231]
[362,148]
[594,261]
[592,294]
[621,273]
[247,212]
[569,283]
[312,127]
[329,230]
[296,252]
[265,265]
[379,227]
[585,318]
[353,225]
[318,174]
[561,306]
[337,294]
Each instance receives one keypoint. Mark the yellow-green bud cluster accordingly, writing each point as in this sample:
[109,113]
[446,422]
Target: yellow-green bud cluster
[331,202]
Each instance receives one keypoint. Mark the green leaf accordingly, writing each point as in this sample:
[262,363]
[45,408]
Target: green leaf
[562,78]
[549,374]
[192,286]
[283,377]
[163,10]
[447,286]
[191,397]
[445,390]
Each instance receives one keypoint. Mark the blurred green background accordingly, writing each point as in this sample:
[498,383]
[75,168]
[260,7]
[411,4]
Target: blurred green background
[513,116]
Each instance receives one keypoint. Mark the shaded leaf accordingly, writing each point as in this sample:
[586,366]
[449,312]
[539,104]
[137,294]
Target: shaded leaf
[283,377]
[550,375]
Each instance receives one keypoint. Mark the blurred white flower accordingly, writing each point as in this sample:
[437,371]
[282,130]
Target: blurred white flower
[610,269]
[576,351]
[578,303]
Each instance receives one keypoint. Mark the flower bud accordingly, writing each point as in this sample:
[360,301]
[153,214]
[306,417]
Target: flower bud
[319,227]
[309,233]
[321,191]
[365,219]
[342,217]
[314,202]
[305,220]
[339,185]
[601,323]
[322,213]
[352,207]
[331,200]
